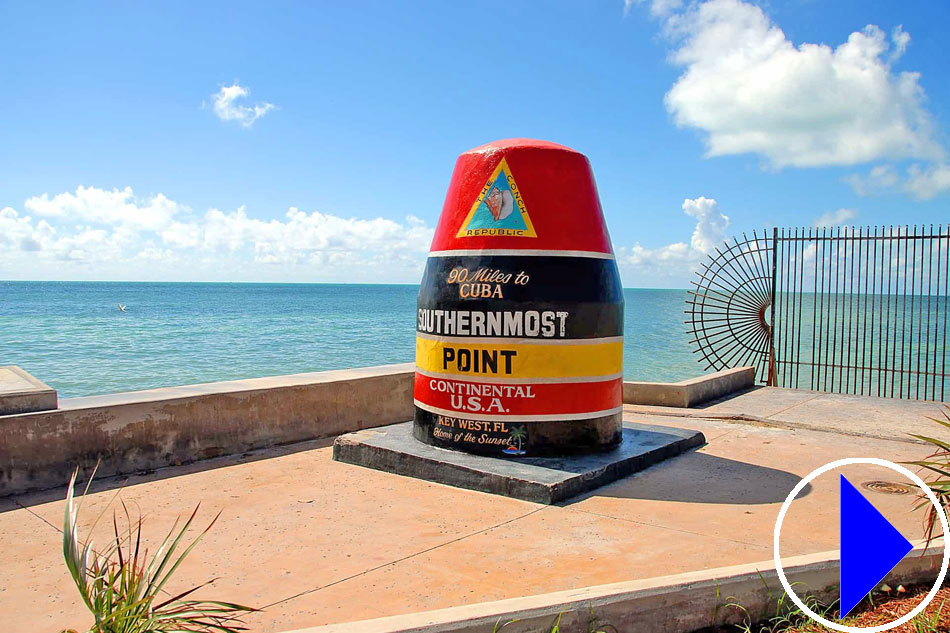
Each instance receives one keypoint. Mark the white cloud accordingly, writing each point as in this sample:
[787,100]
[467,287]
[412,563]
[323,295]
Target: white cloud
[901,39]
[835,218]
[925,183]
[711,223]
[749,89]
[116,235]
[673,263]
[99,206]
[658,8]
[227,110]
[302,237]
[881,178]
[922,182]
[21,233]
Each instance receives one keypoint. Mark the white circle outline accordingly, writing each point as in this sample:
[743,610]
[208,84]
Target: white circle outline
[778,530]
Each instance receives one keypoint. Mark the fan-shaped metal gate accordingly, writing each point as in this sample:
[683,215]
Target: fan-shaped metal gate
[845,310]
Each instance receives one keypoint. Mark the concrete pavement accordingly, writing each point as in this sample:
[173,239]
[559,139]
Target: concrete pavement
[316,541]
[885,418]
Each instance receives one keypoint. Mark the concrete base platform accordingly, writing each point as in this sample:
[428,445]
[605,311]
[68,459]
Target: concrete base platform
[544,480]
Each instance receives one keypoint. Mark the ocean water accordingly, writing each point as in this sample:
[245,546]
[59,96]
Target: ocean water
[73,336]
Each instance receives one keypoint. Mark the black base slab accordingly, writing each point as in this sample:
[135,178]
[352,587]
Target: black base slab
[538,479]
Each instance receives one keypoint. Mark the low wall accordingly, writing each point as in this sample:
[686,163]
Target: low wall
[672,604]
[142,430]
[22,393]
[689,393]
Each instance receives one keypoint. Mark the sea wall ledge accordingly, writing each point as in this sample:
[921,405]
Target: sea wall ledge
[691,392]
[22,393]
[142,430]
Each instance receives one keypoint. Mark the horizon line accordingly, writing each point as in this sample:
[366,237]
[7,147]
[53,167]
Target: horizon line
[288,283]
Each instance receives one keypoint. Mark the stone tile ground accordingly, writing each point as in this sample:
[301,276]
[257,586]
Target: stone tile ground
[317,541]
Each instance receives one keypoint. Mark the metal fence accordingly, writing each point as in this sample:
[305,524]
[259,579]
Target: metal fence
[846,310]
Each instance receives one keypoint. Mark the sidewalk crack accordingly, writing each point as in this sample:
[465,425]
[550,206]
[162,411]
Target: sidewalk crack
[666,527]
[797,404]
[404,558]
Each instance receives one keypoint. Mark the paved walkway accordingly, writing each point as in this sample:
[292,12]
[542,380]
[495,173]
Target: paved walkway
[317,541]
[884,418]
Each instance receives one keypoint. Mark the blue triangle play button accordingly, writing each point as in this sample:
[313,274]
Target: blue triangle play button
[870,547]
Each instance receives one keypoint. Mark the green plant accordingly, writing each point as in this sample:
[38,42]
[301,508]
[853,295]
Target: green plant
[122,586]
[937,463]
[594,625]
[786,616]
[928,623]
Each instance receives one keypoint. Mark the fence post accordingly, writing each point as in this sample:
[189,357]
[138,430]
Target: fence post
[773,370]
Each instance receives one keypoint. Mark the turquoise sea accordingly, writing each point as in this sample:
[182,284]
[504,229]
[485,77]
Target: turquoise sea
[73,336]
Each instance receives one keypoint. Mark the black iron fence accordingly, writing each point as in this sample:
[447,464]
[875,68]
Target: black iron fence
[847,310]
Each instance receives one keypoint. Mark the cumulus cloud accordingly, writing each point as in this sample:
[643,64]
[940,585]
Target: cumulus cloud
[302,237]
[17,232]
[711,223]
[925,183]
[673,263]
[880,179]
[226,108]
[111,230]
[835,218]
[920,181]
[901,39]
[98,206]
[750,90]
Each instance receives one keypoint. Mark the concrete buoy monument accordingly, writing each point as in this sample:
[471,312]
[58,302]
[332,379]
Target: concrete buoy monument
[519,333]
[518,382]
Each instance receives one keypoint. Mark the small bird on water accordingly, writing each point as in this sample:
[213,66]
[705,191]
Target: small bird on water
[121,308]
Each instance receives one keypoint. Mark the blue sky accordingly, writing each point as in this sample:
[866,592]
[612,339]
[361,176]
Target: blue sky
[133,150]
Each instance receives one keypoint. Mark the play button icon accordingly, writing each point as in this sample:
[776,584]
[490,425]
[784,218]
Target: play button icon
[870,547]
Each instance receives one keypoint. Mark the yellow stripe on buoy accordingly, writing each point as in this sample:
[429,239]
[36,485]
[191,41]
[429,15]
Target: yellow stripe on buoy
[521,360]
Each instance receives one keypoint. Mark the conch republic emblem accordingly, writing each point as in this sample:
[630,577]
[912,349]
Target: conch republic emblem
[519,336]
[499,208]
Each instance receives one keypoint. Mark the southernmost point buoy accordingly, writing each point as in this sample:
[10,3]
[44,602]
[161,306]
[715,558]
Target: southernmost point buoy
[519,334]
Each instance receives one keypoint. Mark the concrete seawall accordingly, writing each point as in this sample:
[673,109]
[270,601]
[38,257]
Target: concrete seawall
[141,430]
[689,393]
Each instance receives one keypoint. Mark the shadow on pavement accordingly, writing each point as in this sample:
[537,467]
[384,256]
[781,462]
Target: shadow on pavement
[701,478]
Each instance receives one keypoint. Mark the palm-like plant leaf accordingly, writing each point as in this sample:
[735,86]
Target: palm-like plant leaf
[937,463]
[120,584]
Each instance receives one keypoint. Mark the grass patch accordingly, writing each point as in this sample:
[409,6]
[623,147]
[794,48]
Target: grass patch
[880,607]
[593,625]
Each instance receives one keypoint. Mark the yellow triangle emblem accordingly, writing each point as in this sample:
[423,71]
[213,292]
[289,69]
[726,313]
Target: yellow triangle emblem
[498,209]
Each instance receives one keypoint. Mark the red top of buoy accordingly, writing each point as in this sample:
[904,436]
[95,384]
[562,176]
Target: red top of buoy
[522,194]
[508,143]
